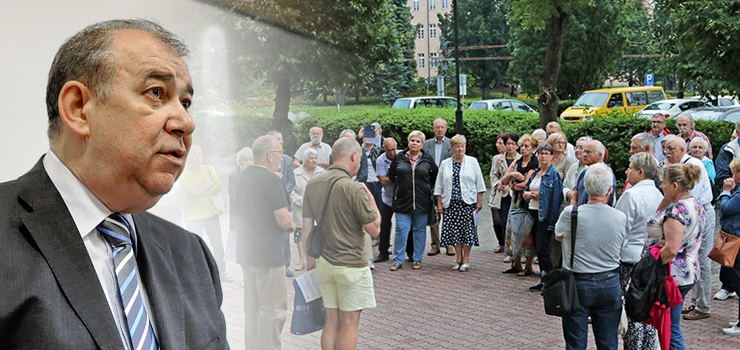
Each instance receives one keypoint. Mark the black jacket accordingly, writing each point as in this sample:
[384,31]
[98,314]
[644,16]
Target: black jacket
[413,186]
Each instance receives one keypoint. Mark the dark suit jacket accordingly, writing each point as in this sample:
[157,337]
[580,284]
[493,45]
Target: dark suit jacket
[446,149]
[50,295]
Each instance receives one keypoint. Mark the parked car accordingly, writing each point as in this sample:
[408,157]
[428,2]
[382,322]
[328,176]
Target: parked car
[728,114]
[719,101]
[669,108]
[629,99]
[426,101]
[502,105]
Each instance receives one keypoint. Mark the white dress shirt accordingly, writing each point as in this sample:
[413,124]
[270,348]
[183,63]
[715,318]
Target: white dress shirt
[88,212]
[702,189]
[638,203]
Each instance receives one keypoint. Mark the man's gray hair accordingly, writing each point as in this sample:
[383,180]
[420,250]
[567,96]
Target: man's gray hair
[87,57]
[274,132]
[440,120]
[585,139]
[661,115]
[598,180]
[691,119]
[244,154]
[646,162]
[348,131]
[343,148]
[307,152]
[262,146]
[378,129]
[645,141]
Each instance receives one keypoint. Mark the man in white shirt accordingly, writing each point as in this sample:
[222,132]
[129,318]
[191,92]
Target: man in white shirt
[675,152]
[324,150]
[119,133]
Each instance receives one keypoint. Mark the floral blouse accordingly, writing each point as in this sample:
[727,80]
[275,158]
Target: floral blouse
[689,212]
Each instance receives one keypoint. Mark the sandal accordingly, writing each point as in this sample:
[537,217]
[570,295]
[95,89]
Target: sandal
[511,270]
[464,267]
[525,272]
[395,266]
[500,249]
[299,267]
[416,265]
[456,266]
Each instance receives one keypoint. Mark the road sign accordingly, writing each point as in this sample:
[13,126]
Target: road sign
[649,79]
[463,85]
[440,85]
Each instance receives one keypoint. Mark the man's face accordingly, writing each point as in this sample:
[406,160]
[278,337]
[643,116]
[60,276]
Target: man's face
[390,150]
[635,147]
[275,155]
[440,129]
[673,151]
[590,156]
[658,124]
[552,129]
[316,135]
[684,126]
[279,137]
[140,135]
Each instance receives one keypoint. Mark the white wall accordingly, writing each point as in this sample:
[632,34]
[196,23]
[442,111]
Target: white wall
[32,31]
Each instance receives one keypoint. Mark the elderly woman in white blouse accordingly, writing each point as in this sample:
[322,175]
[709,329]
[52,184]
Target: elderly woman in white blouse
[303,174]
[638,203]
[459,190]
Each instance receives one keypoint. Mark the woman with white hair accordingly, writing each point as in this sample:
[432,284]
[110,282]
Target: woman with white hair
[303,175]
[698,149]
[638,203]
[599,235]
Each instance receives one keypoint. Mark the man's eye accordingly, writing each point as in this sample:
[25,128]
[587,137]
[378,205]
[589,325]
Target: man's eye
[186,104]
[156,93]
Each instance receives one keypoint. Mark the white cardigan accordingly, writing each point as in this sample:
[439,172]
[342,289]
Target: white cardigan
[471,181]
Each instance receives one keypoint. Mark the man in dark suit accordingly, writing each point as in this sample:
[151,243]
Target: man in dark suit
[439,148]
[285,171]
[84,267]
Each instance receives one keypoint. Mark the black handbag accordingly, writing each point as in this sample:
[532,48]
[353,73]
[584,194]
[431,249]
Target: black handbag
[560,293]
[315,241]
[647,285]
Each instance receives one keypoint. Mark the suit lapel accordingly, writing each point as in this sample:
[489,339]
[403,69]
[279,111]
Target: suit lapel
[52,228]
[155,263]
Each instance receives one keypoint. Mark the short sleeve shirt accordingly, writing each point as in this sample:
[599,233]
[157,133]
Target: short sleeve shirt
[349,208]
[688,211]
[260,240]
[324,151]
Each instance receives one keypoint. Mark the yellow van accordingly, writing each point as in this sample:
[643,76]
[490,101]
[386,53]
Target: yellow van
[629,99]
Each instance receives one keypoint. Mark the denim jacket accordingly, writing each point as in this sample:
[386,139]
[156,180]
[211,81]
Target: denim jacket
[551,194]
[729,218]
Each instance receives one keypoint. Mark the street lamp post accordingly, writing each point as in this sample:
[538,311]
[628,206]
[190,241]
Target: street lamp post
[458,112]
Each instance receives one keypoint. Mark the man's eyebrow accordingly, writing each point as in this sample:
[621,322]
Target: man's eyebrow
[167,77]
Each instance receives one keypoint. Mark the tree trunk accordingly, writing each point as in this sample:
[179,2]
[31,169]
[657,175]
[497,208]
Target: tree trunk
[681,86]
[486,91]
[280,119]
[341,94]
[549,78]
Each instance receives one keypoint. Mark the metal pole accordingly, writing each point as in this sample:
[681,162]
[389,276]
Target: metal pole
[458,112]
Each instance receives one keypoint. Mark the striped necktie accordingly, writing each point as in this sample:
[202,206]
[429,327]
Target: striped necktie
[115,230]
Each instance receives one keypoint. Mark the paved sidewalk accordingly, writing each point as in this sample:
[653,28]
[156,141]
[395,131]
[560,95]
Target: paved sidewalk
[436,308]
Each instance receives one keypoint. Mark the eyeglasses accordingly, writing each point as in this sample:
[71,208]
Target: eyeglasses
[669,149]
[658,122]
[560,143]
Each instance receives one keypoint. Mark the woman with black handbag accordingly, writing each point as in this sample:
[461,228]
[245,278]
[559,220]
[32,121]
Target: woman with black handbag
[599,235]
[730,222]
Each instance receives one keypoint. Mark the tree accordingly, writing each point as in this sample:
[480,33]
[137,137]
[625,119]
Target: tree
[324,42]
[703,34]
[550,14]
[640,40]
[480,23]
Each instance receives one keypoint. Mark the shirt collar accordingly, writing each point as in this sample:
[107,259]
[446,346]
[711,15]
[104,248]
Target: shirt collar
[340,168]
[87,210]
[645,182]
[439,142]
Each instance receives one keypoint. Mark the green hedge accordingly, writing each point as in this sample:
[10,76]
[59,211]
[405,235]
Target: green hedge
[481,128]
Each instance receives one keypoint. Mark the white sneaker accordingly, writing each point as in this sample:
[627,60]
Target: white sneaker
[731,330]
[507,259]
[371,265]
[733,323]
[724,294]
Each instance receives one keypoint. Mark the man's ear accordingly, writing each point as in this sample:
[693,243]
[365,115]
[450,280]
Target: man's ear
[72,101]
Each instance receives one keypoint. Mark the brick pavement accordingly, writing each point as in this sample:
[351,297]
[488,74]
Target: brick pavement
[435,308]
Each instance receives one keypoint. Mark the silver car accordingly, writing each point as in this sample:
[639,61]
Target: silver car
[670,108]
[502,105]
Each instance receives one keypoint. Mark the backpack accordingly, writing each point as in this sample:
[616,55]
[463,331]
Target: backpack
[647,285]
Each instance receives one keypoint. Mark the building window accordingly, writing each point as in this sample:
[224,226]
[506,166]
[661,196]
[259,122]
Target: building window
[420,62]
[432,4]
[415,6]
[433,31]
[433,60]
[445,4]
[420,33]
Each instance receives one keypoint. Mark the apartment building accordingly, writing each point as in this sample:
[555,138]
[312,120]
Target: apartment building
[424,19]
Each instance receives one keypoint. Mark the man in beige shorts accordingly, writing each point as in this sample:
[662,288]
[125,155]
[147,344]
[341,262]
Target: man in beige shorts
[344,276]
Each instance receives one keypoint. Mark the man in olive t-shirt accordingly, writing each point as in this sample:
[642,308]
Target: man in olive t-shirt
[344,277]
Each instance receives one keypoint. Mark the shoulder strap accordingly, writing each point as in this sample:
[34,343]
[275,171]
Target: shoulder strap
[328,195]
[573,230]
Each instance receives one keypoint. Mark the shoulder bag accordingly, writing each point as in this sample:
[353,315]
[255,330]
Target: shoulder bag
[647,284]
[315,241]
[725,249]
[560,293]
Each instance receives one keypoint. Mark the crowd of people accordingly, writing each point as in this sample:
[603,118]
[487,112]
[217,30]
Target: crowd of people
[535,181]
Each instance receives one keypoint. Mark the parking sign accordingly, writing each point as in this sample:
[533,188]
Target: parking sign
[649,79]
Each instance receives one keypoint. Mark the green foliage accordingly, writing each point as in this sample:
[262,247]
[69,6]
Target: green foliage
[594,42]
[536,14]
[479,23]
[398,75]
[615,130]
